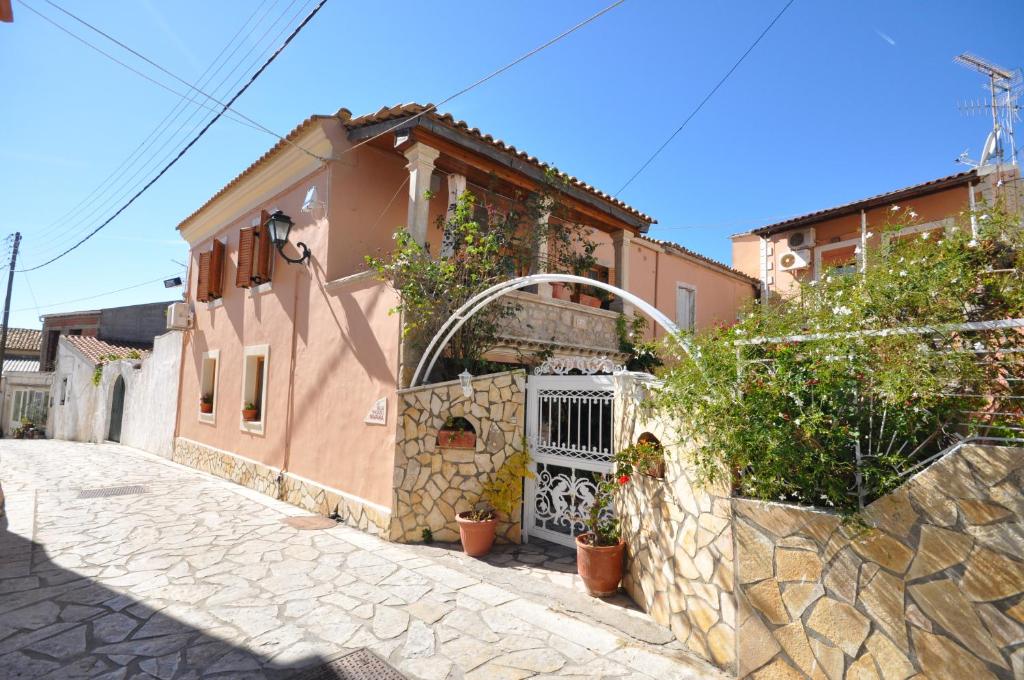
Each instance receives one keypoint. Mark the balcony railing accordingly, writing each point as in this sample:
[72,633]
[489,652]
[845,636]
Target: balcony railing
[561,324]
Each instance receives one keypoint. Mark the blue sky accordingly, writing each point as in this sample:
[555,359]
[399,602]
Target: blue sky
[841,100]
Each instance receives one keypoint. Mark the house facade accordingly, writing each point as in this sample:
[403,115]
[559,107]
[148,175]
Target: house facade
[311,351]
[132,324]
[23,390]
[782,254]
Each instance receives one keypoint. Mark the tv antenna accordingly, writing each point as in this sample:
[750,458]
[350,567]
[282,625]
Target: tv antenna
[1004,87]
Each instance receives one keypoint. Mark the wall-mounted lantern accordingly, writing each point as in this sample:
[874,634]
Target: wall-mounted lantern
[466,380]
[279,225]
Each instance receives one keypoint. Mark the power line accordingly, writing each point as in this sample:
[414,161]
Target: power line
[706,97]
[192,142]
[91,297]
[481,81]
[181,80]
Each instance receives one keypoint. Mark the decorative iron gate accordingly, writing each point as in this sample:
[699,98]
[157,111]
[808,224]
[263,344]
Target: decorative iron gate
[569,429]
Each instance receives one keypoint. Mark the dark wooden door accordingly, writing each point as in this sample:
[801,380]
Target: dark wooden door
[116,411]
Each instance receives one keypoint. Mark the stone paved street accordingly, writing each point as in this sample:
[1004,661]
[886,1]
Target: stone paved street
[198,578]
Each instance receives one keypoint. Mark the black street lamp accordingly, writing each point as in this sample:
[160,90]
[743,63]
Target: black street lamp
[279,225]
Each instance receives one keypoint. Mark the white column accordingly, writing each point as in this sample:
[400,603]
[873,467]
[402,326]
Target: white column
[421,167]
[541,265]
[973,206]
[863,240]
[622,241]
[456,187]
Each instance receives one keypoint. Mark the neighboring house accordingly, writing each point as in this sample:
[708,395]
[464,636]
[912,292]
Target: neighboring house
[313,346]
[24,391]
[781,254]
[132,324]
[128,394]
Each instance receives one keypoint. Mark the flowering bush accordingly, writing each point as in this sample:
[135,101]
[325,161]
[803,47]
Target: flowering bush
[795,403]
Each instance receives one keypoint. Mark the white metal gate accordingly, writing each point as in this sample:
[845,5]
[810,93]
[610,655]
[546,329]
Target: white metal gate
[569,426]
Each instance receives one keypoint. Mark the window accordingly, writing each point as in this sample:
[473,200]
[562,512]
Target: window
[210,287]
[30,406]
[63,391]
[208,386]
[686,307]
[254,254]
[841,257]
[254,387]
[936,229]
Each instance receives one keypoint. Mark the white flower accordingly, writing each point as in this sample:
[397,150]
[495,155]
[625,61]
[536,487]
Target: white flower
[894,208]
[926,235]
[869,234]
[973,243]
[842,310]
[903,273]
[782,497]
[985,216]
[913,215]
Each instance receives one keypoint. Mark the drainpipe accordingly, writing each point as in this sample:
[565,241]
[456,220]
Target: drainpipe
[289,409]
[974,218]
[863,240]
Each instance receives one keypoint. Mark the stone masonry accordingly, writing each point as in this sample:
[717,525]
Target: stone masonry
[434,484]
[283,486]
[547,321]
[678,539]
[932,587]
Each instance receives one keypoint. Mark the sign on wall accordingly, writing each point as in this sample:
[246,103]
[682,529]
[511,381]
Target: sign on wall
[378,414]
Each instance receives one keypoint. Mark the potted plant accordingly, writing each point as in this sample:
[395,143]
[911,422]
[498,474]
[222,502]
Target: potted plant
[646,457]
[206,403]
[600,550]
[579,259]
[456,433]
[560,291]
[585,298]
[249,412]
[501,497]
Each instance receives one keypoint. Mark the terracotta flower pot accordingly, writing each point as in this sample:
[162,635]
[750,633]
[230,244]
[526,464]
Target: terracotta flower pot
[477,537]
[600,566]
[560,291]
[205,407]
[588,300]
[250,415]
[456,439]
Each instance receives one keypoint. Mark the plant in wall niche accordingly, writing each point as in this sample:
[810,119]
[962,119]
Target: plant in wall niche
[456,433]
[645,457]
[600,549]
[502,495]
[249,412]
[642,354]
[832,396]
[206,403]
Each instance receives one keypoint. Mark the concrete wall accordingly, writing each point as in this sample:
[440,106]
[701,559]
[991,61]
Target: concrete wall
[150,404]
[133,324]
[434,484]
[931,586]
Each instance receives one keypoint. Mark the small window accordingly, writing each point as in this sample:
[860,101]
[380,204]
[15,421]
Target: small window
[254,389]
[686,307]
[208,386]
[63,391]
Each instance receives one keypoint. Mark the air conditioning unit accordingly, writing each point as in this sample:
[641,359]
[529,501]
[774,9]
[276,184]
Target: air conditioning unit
[804,238]
[796,259]
[178,316]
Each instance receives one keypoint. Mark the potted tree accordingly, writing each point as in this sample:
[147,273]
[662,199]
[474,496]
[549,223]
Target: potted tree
[501,497]
[600,550]
[646,456]
[578,257]
[250,413]
[456,433]
[206,403]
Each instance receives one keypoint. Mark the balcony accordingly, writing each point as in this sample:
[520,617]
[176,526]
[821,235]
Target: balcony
[565,327]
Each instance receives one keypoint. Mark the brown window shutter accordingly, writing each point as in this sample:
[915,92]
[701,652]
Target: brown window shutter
[203,285]
[216,285]
[246,243]
[263,251]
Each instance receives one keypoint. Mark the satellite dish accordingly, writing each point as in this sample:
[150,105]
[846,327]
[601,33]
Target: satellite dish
[992,146]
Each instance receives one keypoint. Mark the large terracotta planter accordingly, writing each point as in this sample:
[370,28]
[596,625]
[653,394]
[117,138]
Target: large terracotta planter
[588,300]
[456,439]
[477,537]
[600,567]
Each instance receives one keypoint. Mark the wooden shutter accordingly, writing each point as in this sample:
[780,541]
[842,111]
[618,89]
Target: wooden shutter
[263,250]
[216,285]
[246,244]
[203,285]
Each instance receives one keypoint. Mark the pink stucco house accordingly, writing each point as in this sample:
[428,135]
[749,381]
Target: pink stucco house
[312,347]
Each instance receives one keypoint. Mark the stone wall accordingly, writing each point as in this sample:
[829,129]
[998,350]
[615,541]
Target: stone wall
[286,486]
[678,539]
[546,321]
[433,484]
[931,587]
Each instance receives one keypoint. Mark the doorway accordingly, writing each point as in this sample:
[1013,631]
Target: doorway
[116,410]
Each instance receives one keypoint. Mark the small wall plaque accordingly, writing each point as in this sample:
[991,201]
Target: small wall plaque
[378,414]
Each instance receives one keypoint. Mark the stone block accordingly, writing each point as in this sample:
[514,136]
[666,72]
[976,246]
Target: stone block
[839,623]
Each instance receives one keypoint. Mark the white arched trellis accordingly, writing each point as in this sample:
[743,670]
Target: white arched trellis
[483,298]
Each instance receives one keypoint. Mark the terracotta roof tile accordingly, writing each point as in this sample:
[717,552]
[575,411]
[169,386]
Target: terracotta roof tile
[97,351]
[389,113]
[28,339]
[670,246]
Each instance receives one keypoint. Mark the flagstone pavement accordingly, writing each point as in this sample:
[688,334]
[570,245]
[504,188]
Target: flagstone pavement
[196,577]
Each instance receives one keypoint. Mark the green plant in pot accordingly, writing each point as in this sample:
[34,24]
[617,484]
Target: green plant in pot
[249,412]
[646,456]
[501,498]
[456,433]
[600,549]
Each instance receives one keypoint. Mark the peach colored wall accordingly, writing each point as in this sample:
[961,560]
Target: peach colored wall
[931,207]
[345,355]
[655,273]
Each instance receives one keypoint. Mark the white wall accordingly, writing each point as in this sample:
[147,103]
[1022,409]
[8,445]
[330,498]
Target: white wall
[150,402]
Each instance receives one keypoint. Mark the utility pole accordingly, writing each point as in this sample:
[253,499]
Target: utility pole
[7,301]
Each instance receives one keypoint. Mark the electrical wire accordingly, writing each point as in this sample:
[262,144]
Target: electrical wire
[706,97]
[181,80]
[191,143]
[91,297]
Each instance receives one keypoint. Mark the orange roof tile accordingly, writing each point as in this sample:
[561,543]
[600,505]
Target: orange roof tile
[97,351]
[27,339]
